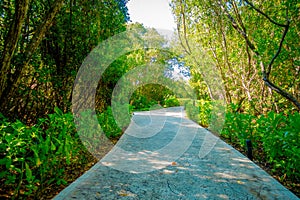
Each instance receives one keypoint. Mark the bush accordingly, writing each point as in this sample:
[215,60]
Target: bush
[171,101]
[275,134]
[192,111]
[142,103]
[108,124]
[201,113]
[32,158]
[280,137]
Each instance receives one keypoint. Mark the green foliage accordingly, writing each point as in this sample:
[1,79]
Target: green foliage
[149,95]
[143,103]
[35,157]
[275,134]
[199,111]
[171,101]
[238,126]
[108,124]
[280,137]
[205,26]
[191,110]
[47,80]
[146,95]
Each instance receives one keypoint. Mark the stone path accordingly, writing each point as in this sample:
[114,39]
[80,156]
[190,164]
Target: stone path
[163,155]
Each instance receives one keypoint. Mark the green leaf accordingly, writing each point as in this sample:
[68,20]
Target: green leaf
[58,111]
[47,144]
[28,172]
[36,156]
[53,147]
[9,137]
[61,181]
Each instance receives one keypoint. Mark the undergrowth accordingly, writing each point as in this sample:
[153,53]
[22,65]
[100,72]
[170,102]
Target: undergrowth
[275,138]
[34,158]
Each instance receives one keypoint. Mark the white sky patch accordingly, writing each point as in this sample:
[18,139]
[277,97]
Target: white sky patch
[152,13]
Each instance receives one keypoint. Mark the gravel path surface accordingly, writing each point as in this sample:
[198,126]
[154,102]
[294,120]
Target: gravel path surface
[163,155]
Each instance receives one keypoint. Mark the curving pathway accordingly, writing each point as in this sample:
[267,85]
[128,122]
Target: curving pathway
[163,155]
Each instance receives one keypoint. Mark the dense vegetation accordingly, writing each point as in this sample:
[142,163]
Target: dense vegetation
[254,45]
[251,48]
[42,45]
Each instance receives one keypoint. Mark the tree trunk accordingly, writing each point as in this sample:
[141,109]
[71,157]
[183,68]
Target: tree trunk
[11,42]
[11,85]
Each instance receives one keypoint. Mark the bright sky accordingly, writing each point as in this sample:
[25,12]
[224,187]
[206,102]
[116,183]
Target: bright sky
[152,13]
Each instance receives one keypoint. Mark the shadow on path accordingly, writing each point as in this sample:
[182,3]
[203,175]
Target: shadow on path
[158,158]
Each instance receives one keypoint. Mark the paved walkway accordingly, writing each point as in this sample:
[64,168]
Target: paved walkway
[163,155]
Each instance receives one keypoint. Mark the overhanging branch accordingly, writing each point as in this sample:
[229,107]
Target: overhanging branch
[264,14]
[265,73]
[286,28]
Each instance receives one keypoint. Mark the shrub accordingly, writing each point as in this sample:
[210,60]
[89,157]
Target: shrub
[199,111]
[108,124]
[142,103]
[171,101]
[33,157]
[275,134]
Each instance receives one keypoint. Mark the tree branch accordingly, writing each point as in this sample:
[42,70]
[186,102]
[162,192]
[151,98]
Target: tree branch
[265,15]
[279,48]
[282,92]
[236,27]
[265,73]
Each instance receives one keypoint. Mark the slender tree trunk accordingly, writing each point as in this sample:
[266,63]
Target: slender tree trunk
[10,86]
[266,70]
[11,42]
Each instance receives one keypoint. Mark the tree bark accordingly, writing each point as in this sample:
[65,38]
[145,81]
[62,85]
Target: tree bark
[11,42]
[12,83]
